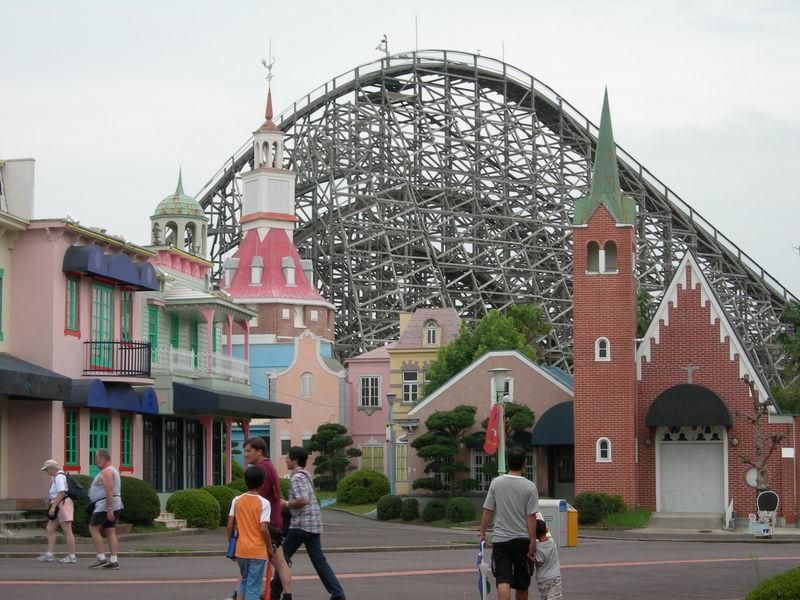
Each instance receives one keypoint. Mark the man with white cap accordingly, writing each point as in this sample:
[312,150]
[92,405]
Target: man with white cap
[60,513]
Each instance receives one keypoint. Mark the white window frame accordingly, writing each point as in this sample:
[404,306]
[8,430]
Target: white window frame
[598,357]
[372,381]
[299,320]
[307,384]
[315,315]
[431,331]
[410,388]
[401,461]
[286,314]
[599,450]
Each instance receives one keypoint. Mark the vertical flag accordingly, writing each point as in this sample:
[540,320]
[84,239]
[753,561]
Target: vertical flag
[492,431]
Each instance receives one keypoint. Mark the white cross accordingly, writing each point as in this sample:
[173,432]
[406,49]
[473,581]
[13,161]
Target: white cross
[690,369]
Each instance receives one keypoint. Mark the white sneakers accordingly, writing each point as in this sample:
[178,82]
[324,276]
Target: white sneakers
[69,559]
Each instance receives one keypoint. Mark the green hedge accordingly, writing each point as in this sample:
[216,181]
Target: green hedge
[785,586]
[237,471]
[389,507]
[140,502]
[224,495]
[326,483]
[286,484]
[410,510]
[435,510]
[593,506]
[460,510]
[198,507]
[362,487]
[238,485]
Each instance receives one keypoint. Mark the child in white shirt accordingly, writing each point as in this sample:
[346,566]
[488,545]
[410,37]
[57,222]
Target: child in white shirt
[548,567]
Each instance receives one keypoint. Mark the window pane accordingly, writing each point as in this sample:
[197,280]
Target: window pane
[125,432]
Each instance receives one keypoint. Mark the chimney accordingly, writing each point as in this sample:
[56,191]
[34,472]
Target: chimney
[16,187]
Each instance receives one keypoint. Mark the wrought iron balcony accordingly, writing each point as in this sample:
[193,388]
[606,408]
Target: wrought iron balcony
[117,358]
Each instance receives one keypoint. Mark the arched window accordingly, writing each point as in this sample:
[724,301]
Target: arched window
[264,154]
[610,256]
[602,349]
[603,450]
[189,238]
[171,233]
[593,257]
[431,333]
[274,155]
[306,385]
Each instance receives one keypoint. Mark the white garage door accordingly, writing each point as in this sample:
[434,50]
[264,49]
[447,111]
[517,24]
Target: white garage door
[691,477]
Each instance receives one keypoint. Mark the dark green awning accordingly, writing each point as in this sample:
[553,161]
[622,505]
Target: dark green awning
[193,399]
[556,427]
[687,404]
[20,379]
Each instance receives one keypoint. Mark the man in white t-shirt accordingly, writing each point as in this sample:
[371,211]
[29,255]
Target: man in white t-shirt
[60,512]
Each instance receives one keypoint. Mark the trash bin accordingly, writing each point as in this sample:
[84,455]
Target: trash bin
[554,513]
[572,526]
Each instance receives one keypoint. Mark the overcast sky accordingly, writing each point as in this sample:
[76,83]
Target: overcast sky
[111,97]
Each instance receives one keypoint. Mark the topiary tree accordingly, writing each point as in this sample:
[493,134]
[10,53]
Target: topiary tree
[518,419]
[439,447]
[460,510]
[198,507]
[389,507]
[410,509]
[224,495]
[333,459]
[140,502]
[362,487]
[237,470]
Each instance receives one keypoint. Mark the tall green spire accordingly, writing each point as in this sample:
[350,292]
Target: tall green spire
[605,179]
[179,189]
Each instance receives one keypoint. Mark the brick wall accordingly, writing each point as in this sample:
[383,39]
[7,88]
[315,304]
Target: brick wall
[271,321]
[604,305]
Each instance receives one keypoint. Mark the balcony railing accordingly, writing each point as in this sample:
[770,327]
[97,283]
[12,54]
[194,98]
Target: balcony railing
[167,359]
[117,358]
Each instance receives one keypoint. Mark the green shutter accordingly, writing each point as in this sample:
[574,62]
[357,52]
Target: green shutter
[214,339]
[125,436]
[71,450]
[174,331]
[193,340]
[127,314]
[72,303]
[98,437]
[152,330]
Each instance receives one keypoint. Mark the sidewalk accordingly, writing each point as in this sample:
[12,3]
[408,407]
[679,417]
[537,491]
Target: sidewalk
[783,535]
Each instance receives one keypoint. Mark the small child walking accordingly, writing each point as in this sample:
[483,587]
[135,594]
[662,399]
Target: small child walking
[250,516]
[548,568]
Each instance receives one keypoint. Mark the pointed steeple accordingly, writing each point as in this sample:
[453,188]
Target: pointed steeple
[179,189]
[605,178]
[268,113]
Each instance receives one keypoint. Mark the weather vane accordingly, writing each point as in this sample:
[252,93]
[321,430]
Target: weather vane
[383,46]
[269,64]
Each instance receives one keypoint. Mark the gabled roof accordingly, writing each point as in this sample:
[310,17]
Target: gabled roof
[707,296]
[276,247]
[379,353]
[563,381]
[447,318]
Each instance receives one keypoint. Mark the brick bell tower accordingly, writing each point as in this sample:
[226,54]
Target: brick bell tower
[604,317]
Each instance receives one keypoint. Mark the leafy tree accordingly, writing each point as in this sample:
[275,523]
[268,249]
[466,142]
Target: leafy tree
[644,312]
[788,396]
[331,443]
[518,420]
[495,331]
[439,446]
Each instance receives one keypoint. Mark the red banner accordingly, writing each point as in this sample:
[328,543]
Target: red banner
[492,431]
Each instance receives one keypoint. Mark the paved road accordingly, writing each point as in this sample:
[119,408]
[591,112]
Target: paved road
[618,569]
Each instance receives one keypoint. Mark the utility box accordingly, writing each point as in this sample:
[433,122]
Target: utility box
[554,513]
[572,526]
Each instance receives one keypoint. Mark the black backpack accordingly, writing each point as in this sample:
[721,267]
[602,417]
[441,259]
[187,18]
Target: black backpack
[75,490]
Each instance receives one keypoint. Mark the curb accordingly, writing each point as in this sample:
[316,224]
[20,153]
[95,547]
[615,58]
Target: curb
[696,540]
[20,541]
[221,553]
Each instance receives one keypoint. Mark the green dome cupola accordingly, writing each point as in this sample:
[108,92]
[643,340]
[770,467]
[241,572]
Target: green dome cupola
[179,221]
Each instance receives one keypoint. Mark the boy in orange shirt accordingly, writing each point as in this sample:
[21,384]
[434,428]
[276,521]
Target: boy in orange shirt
[250,516]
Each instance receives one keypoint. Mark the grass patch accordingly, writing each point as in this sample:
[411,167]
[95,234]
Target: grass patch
[626,519]
[354,509]
[152,528]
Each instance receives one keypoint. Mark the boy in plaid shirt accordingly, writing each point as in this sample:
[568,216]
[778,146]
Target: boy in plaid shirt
[305,528]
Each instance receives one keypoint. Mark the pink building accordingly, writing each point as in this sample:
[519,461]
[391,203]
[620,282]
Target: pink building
[77,310]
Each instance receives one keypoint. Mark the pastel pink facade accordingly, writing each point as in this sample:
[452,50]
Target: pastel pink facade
[367,387]
[314,388]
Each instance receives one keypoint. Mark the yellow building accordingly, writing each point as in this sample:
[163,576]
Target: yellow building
[422,333]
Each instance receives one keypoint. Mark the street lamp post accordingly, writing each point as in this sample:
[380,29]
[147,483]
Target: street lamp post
[500,396]
[390,398]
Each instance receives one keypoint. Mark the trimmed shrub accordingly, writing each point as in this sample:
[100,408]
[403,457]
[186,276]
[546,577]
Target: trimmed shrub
[389,507]
[140,502]
[362,487]
[785,586]
[238,485]
[286,484]
[224,495]
[325,483]
[80,523]
[410,510]
[198,507]
[460,510]
[435,510]
[593,506]
[237,471]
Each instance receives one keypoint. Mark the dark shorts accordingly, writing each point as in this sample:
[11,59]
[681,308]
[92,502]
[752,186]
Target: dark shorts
[99,519]
[510,563]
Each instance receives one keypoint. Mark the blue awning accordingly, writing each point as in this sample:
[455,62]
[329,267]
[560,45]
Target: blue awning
[90,260]
[556,427]
[93,393]
[193,399]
